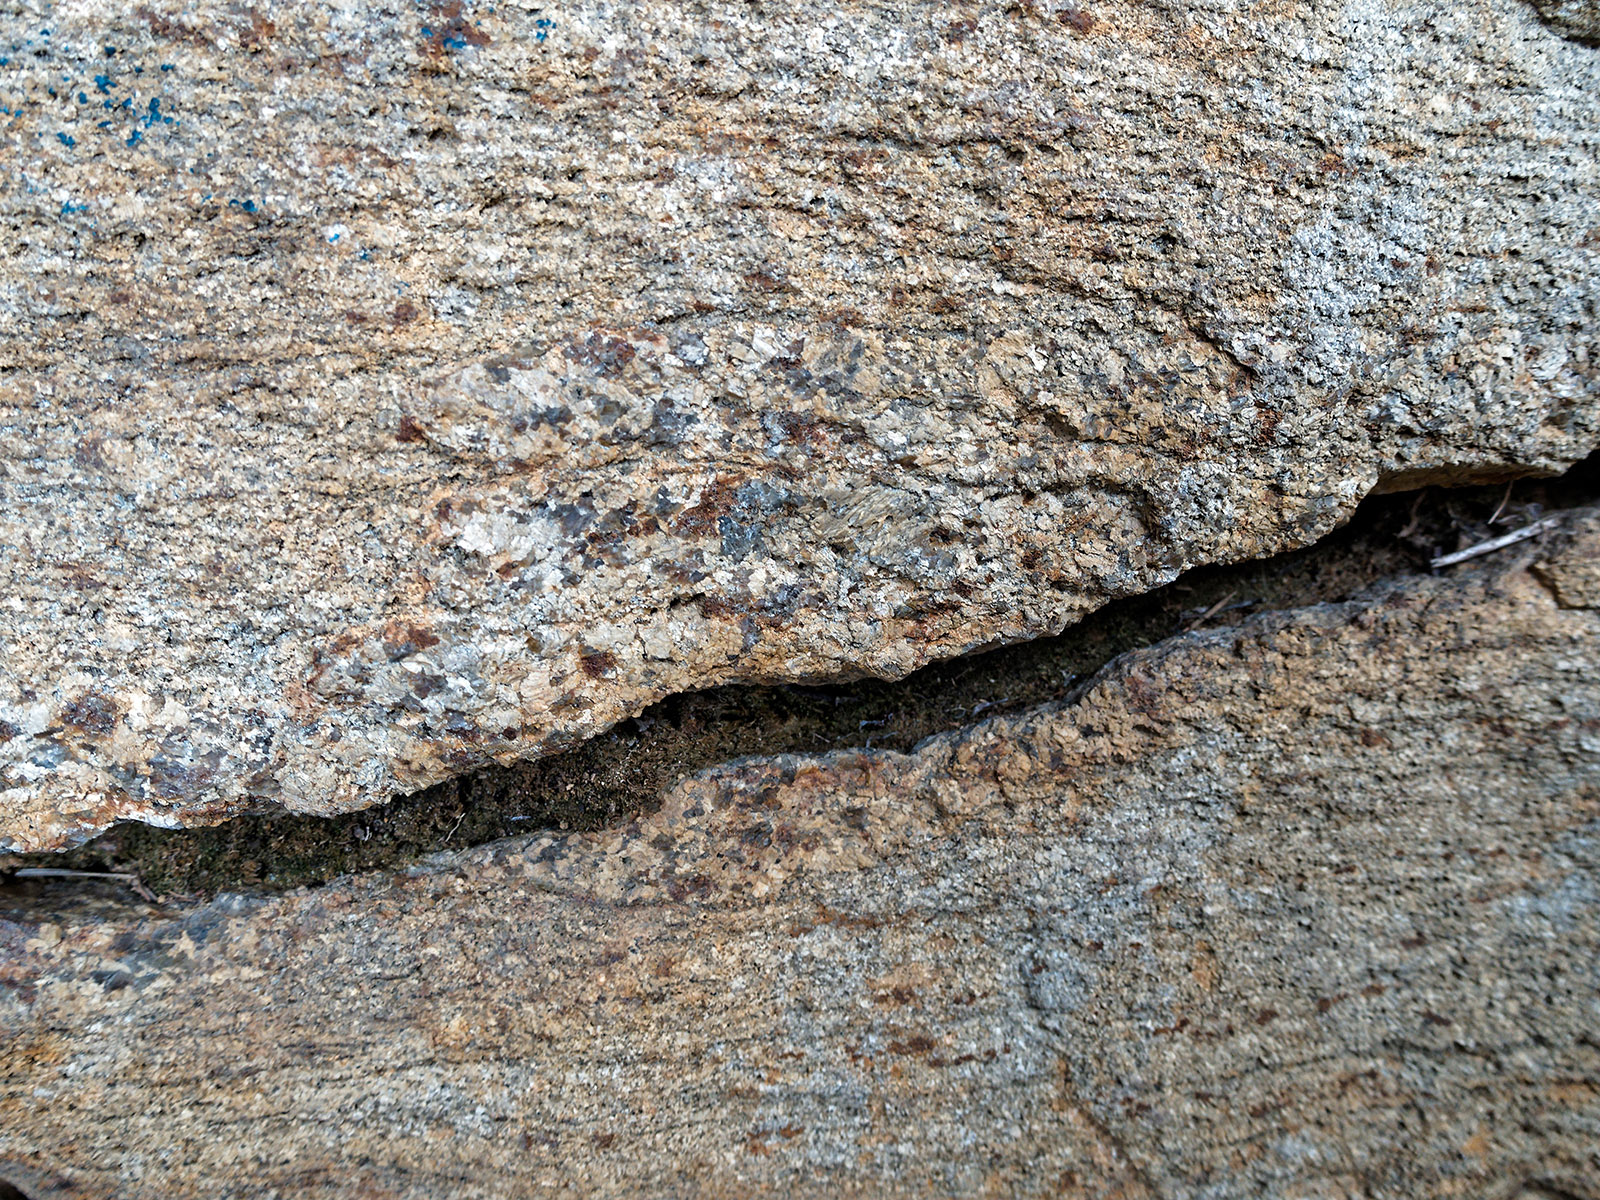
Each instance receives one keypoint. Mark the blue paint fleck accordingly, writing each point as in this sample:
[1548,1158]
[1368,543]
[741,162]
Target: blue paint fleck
[166,66]
[248,206]
[103,84]
[366,256]
[83,98]
[542,28]
[136,137]
[68,207]
[111,51]
[66,141]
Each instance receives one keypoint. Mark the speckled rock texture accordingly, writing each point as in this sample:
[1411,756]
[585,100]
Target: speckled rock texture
[389,391]
[1304,908]
[1578,19]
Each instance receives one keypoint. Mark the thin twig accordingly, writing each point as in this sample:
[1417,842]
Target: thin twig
[983,706]
[1210,612]
[1416,506]
[128,878]
[1499,543]
[1504,500]
[453,829]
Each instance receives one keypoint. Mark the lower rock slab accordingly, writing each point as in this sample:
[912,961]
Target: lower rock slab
[1305,908]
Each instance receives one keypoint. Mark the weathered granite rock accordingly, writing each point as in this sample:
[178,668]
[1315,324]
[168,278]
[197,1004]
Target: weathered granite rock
[387,391]
[1574,18]
[1309,907]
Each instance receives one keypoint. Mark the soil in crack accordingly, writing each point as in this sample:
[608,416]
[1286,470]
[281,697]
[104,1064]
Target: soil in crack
[622,773]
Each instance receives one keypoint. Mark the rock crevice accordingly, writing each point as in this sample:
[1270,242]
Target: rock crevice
[611,779]
[1222,926]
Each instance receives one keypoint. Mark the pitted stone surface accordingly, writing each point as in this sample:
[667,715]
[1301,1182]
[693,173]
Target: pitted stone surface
[389,391]
[1300,908]
[1575,18]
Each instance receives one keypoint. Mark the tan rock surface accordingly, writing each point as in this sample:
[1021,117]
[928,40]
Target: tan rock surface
[1302,908]
[389,391]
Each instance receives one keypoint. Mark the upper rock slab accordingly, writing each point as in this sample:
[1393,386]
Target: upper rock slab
[1304,907]
[385,394]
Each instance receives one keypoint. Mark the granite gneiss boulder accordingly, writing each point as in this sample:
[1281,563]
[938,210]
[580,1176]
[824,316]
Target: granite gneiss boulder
[1579,19]
[385,392]
[1305,907]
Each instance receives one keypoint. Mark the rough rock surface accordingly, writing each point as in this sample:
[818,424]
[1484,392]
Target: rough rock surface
[1301,908]
[1578,19]
[386,391]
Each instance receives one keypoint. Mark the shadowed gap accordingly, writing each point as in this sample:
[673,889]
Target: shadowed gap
[620,774]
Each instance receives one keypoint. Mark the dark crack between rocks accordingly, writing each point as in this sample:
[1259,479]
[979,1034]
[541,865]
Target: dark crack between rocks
[620,774]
